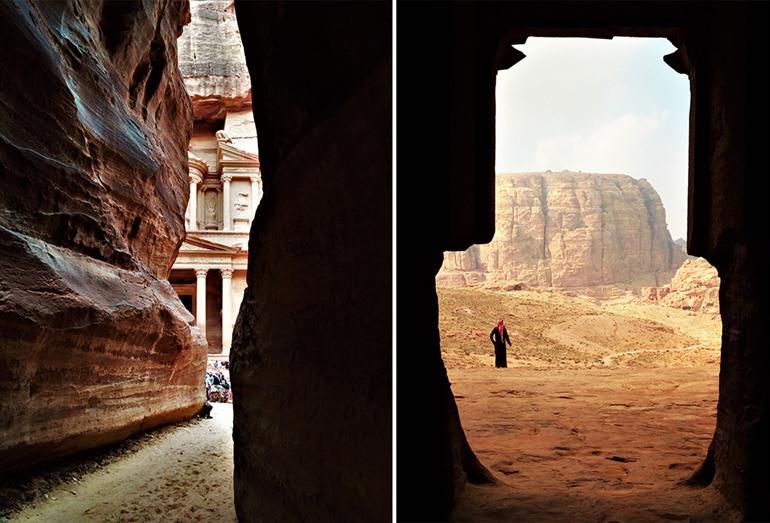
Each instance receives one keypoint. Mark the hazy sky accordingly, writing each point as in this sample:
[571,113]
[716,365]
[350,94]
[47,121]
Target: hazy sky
[607,106]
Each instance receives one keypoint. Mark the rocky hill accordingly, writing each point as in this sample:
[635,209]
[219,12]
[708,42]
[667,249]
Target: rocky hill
[695,287]
[570,230]
[212,62]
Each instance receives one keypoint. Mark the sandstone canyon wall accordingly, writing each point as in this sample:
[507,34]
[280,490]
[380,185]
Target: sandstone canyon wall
[567,229]
[212,62]
[311,356]
[215,75]
[695,287]
[93,187]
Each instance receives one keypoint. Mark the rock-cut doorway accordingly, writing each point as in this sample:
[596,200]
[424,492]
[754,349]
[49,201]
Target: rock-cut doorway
[608,401]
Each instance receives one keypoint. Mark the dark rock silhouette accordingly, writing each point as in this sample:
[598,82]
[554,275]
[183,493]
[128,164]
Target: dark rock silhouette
[311,354]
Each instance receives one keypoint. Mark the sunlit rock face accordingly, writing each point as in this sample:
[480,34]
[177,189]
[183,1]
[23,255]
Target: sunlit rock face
[212,61]
[93,187]
[570,229]
[695,288]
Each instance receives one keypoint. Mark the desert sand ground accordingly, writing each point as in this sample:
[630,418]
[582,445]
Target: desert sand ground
[604,410]
[178,474]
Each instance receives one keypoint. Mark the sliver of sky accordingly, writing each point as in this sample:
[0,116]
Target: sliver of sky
[600,106]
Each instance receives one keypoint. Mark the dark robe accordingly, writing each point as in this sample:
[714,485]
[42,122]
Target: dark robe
[205,411]
[500,356]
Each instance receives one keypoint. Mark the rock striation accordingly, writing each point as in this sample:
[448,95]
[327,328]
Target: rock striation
[567,230]
[93,190]
[212,62]
[695,287]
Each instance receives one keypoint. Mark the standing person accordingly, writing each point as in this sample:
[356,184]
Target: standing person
[499,336]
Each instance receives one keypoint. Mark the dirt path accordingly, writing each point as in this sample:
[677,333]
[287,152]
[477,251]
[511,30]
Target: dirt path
[610,358]
[185,474]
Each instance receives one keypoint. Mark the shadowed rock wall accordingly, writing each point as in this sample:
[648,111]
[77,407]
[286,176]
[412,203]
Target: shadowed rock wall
[311,355]
[93,187]
[728,217]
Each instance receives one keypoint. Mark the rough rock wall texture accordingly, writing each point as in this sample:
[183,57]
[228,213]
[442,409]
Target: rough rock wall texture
[311,355]
[729,216]
[567,229]
[93,187]
[212,62]
[445,203]
[695,287]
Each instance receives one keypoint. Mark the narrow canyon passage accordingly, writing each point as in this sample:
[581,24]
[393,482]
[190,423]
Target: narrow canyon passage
[184,474]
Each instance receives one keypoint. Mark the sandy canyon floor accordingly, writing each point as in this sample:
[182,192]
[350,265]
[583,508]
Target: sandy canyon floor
[180,473]
[602,413]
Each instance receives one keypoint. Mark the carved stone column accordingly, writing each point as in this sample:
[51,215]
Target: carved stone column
[200,306]
[192,206]
[256,194]
[227,310]
[227,211]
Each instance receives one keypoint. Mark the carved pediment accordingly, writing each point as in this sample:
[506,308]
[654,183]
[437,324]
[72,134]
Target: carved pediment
[190,247]
[230,152]
[194,244]
[230,156]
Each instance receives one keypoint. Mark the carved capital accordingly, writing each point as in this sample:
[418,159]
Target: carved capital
[194,178]
[196,166]
[226,273]
[254,179]
[227,178]
[201,273]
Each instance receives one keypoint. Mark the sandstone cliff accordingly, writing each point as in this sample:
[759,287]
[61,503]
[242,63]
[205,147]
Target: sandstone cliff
[93,187]
[695,287]
[212,62]
[569,230]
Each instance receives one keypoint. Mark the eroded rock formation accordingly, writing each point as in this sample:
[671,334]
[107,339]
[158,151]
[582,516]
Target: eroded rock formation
[695,287]
[93,188]
[212,62]
[567,229]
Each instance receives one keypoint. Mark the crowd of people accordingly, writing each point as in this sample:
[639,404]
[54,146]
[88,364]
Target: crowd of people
[217,383]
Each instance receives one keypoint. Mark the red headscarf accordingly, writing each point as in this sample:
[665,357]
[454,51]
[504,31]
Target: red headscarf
[500,327]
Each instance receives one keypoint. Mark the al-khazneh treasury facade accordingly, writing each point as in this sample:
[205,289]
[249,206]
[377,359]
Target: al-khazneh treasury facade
[225,183]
